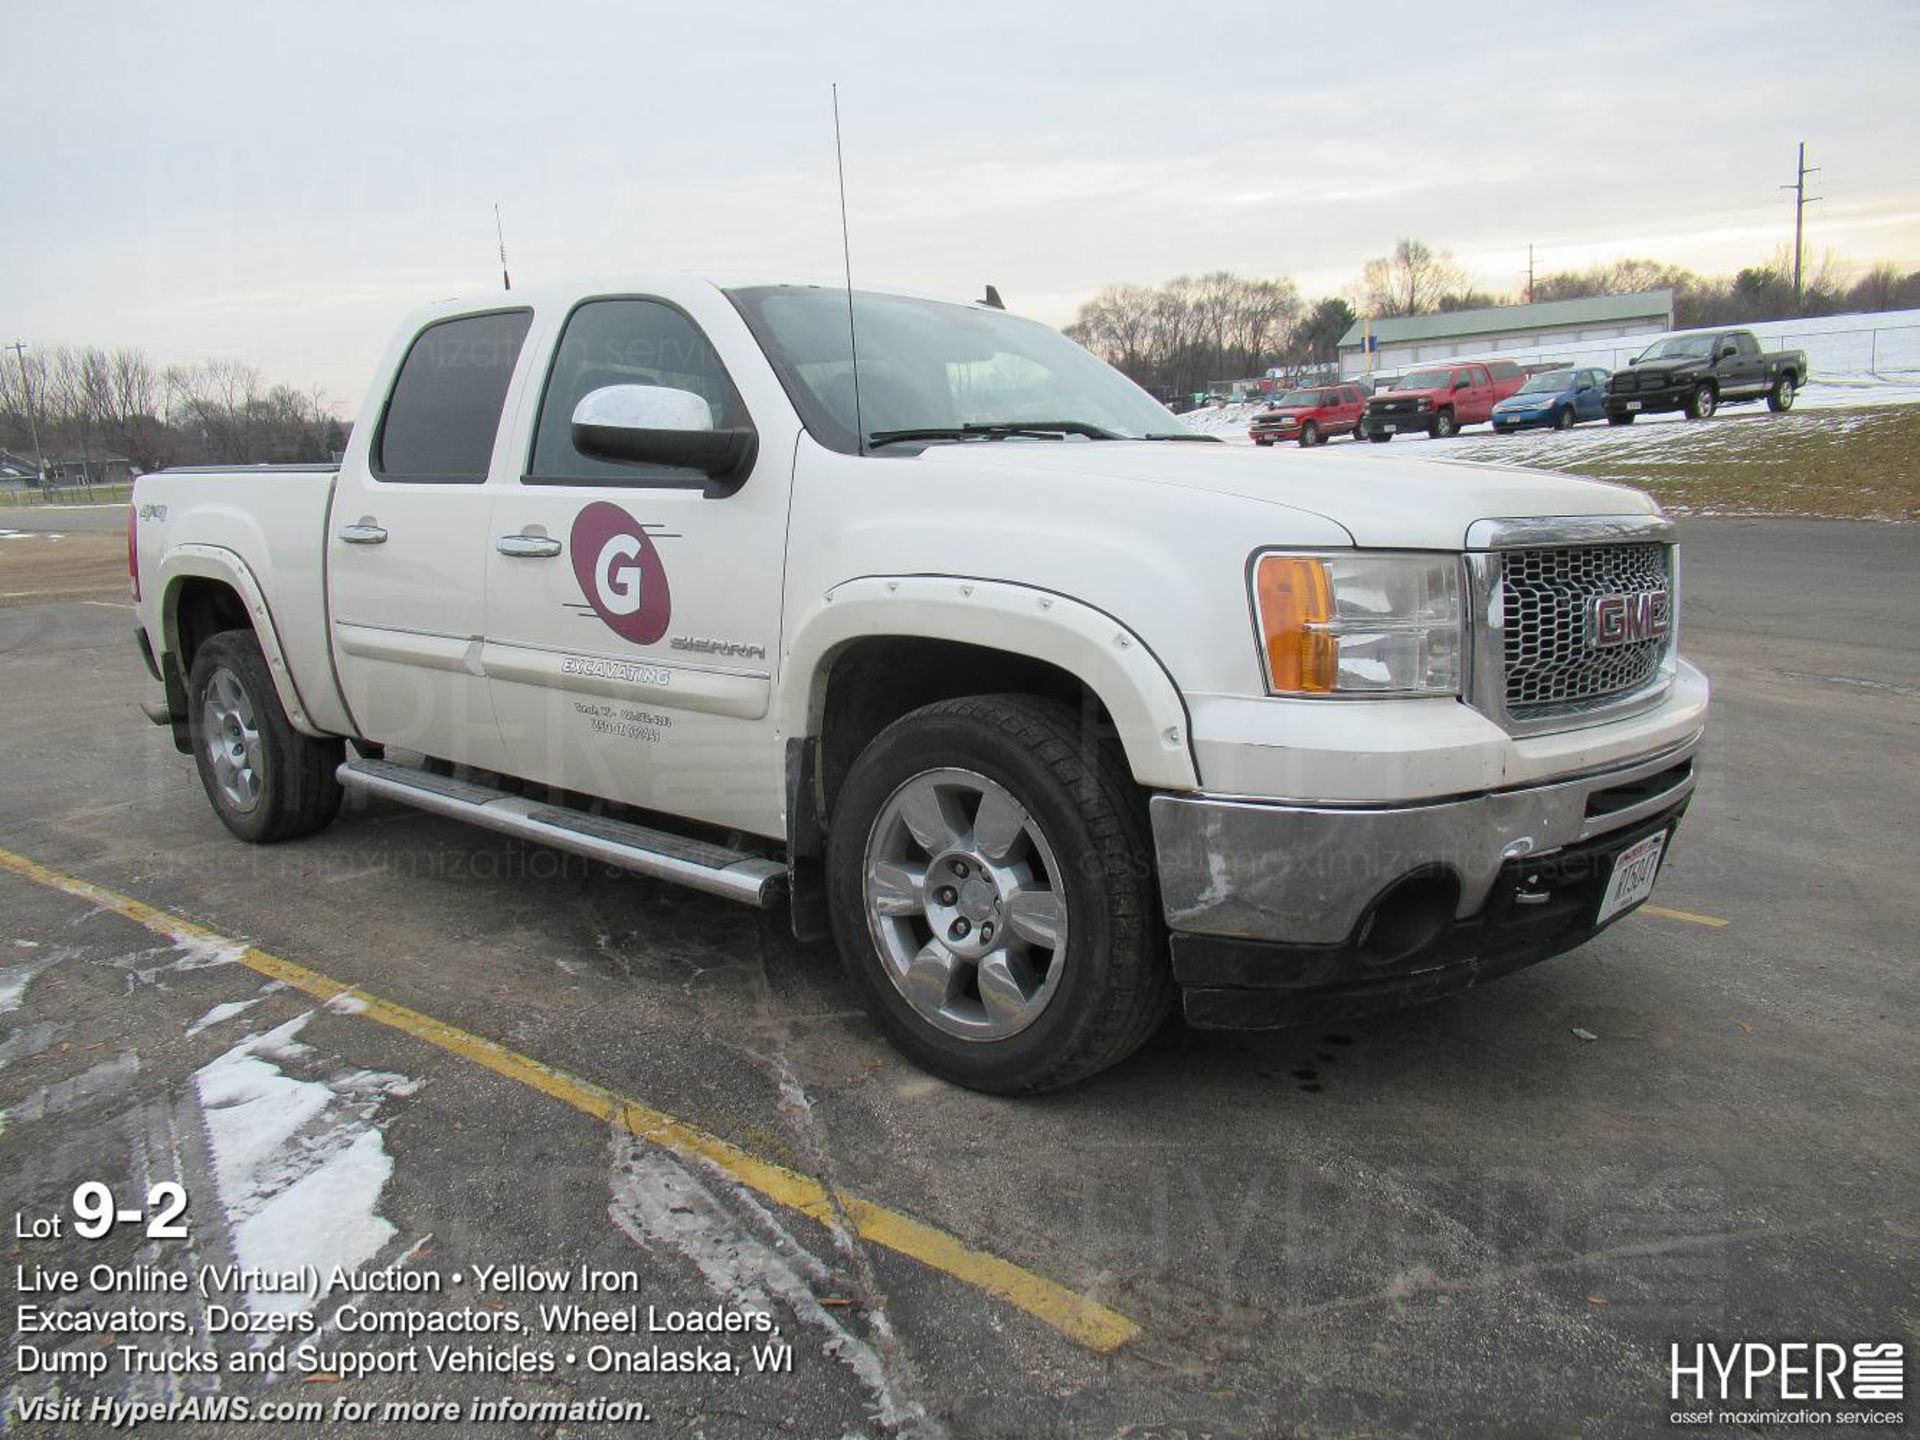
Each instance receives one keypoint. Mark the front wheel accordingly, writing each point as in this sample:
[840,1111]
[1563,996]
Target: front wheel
[1702,402]
[1445,427]
[1563,419]
[1309,435]
[1379,437]
[1262,443]
[992,892]
[1780,398]
[266,780]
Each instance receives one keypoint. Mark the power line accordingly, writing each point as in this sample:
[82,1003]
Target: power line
[1800,202]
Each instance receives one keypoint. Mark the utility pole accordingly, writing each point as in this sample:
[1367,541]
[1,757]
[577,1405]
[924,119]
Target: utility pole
[19,348]
[1529,274]
[1800,202]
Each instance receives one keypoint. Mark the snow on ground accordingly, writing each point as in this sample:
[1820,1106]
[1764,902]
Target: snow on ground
[298,1162]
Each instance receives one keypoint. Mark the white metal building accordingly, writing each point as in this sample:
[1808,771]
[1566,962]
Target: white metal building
[1398,343]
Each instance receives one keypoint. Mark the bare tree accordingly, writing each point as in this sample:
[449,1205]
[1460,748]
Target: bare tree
[1410,281]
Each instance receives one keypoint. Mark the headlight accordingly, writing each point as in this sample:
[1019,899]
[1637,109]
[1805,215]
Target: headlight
[1359,624]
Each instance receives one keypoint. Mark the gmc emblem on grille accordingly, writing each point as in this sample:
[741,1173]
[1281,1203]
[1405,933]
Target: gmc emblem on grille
[1624,619]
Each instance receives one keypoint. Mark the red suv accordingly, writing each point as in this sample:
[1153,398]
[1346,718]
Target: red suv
[1438,399]
[1311,415]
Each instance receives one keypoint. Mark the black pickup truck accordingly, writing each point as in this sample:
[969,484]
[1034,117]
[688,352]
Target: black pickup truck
[1699,373]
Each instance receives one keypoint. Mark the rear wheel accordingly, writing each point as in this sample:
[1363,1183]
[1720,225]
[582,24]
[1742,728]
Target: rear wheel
[1309,435]
[1780,398]
[1702,402]
[1619,417]
[992,891]
[266,780]
[1563,418]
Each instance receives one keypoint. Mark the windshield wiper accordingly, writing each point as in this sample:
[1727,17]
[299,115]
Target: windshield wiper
[994,430]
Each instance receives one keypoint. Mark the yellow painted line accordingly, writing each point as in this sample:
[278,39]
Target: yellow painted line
[1085,1321]
[1661,912]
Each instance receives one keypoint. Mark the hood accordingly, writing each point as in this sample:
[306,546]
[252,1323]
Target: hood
[1406,394]
[1518,401]
[1388,501]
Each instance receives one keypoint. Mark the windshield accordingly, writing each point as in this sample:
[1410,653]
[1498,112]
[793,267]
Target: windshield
[1549,382]
[1679,347]
[1302,397]
[934,365]
[1426,380]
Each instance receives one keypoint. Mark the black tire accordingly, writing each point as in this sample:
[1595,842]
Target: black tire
[1702,401]
[1309,435]
[1504,429]
[1445,427]
[1780,398]
[1619,417]
[1379,437]
[294,789]
[1116,987]
[1563,418]
[1262,443]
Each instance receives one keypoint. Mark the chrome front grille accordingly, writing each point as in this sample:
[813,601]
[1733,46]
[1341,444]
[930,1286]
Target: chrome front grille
[1550,666]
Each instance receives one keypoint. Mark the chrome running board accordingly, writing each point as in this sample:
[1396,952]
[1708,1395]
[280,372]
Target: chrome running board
[699,864]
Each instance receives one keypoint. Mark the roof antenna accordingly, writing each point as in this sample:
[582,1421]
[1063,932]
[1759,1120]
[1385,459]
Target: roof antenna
[506,282]
[846,255]
[992,301]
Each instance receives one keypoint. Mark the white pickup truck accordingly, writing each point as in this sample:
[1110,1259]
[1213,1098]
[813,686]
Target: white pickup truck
[1056,713]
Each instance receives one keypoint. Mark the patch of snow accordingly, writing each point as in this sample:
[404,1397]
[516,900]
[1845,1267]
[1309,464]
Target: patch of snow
[222,1012]
[76,1090]
[298,1163]
[28,1040]
[14,979]
[659,1203]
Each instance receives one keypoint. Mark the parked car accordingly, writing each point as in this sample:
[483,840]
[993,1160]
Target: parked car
[1559,398]
[1311,416]
[634,573]
[1438,399]
[1699,373]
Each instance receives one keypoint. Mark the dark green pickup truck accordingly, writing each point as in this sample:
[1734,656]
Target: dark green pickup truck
[1701,372]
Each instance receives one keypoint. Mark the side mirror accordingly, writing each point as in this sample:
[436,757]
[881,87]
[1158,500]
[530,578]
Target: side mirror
[658,425]
[1463,383]
[1725,352]
[1633,360]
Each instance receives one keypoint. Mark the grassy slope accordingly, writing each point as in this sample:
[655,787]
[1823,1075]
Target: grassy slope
[1851,464]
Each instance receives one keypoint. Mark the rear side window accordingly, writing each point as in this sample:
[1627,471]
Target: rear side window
[445,408]
[625,342]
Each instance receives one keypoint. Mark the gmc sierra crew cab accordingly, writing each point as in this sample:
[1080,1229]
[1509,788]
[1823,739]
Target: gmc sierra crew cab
[1700,373]
[1054,714]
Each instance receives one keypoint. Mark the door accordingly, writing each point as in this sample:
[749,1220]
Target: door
[1590,395]
[632,621]
[1475,403]
[407,545]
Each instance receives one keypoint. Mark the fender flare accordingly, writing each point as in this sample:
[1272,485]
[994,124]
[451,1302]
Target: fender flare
[1146,706]
[214,562]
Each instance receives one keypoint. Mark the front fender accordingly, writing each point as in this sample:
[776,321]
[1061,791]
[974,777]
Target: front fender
[214,562]
[1146,707]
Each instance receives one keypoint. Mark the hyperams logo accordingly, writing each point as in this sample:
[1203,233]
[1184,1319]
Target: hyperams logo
[620,573]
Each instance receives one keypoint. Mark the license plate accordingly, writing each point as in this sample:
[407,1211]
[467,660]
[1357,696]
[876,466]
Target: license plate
[1634,871]
[1388,429]
[1633,404]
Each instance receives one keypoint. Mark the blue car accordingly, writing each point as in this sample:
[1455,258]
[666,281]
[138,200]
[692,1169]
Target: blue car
[1560,398]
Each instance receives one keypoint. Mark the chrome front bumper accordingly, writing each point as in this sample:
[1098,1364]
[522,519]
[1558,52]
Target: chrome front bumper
[1308,874]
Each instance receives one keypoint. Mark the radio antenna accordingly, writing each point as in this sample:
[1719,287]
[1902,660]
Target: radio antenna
[506,282]
[846,256]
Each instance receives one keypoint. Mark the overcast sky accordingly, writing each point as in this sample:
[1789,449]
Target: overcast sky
[281,182]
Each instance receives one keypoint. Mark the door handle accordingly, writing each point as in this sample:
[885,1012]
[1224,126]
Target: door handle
[528,547]
[363,534]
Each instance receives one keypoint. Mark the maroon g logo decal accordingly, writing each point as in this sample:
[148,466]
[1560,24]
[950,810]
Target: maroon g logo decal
[620,573]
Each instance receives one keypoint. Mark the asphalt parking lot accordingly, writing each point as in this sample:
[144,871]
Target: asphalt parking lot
[1460,1219]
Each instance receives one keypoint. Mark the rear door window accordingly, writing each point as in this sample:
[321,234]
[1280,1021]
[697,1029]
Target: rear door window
[444,412]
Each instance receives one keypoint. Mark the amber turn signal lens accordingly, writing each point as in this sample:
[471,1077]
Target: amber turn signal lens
[1295,597]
